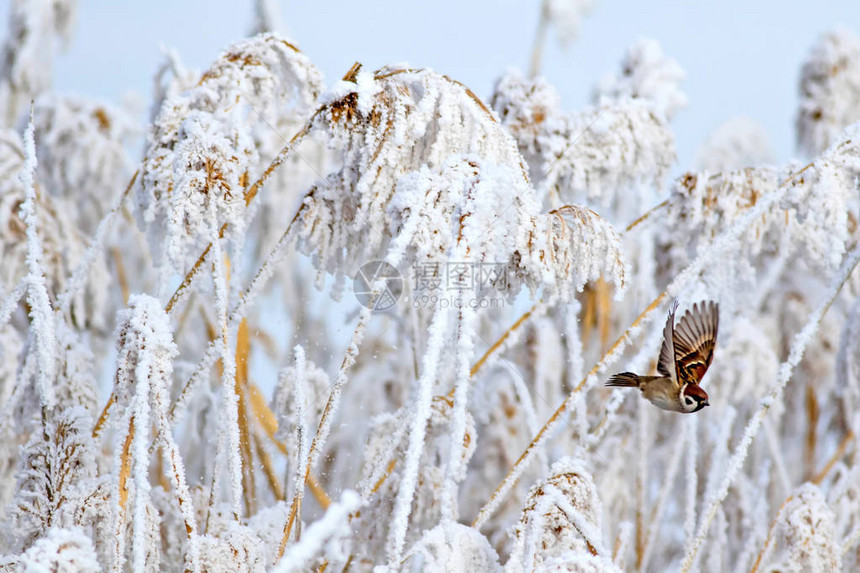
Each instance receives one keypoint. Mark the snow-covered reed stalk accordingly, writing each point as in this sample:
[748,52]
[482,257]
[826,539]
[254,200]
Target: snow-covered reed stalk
[79,275]
[692,477]
[176,475]
[11,300]
[639,361]
[324,427]
[145,352]
[302,448]
[561,518]
[769,539]
[454,466]
[239,310]
[666,489]
[848,367]
[333,524]
[228,433]
[509,336]
[643,429]
[140,460]
[417,428]
[41,312]
[850,542]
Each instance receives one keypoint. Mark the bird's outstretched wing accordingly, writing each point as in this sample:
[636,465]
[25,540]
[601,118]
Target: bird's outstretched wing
[666,363]
[694,339]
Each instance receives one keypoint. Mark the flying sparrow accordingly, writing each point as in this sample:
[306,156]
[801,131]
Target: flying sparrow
[687,351]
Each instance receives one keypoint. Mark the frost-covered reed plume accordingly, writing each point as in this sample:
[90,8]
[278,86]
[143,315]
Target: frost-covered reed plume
[188,384]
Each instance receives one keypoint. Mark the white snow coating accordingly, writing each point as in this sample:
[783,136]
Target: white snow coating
[648,75]
[829,91]
[201,144]
[62,551]
[566,16]
[597,156]
[322,534]
[417,429]
[41,312]
[738,143]
[145,363]
[452,547]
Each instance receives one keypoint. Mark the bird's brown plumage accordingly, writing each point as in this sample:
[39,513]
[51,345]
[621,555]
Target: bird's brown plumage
[694,339]
[686,354]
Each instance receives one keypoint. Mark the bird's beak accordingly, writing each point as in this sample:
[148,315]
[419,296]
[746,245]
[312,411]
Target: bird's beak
[707,404]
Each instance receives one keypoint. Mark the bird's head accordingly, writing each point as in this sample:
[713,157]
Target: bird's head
[693,398]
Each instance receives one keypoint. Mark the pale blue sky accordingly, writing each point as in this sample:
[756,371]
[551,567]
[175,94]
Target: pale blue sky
[741,57]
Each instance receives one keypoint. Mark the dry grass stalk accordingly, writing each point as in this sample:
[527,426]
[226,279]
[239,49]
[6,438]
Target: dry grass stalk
[324,423]
[120,273]
[501,340]
[661,205]
[811,428]
[819,476]
[268,422]
[770,531]
[268,469]
[237,312]
[125,468]
[243,347]
[597,311]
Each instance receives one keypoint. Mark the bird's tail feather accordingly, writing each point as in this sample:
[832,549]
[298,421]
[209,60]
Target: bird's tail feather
[625,380]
